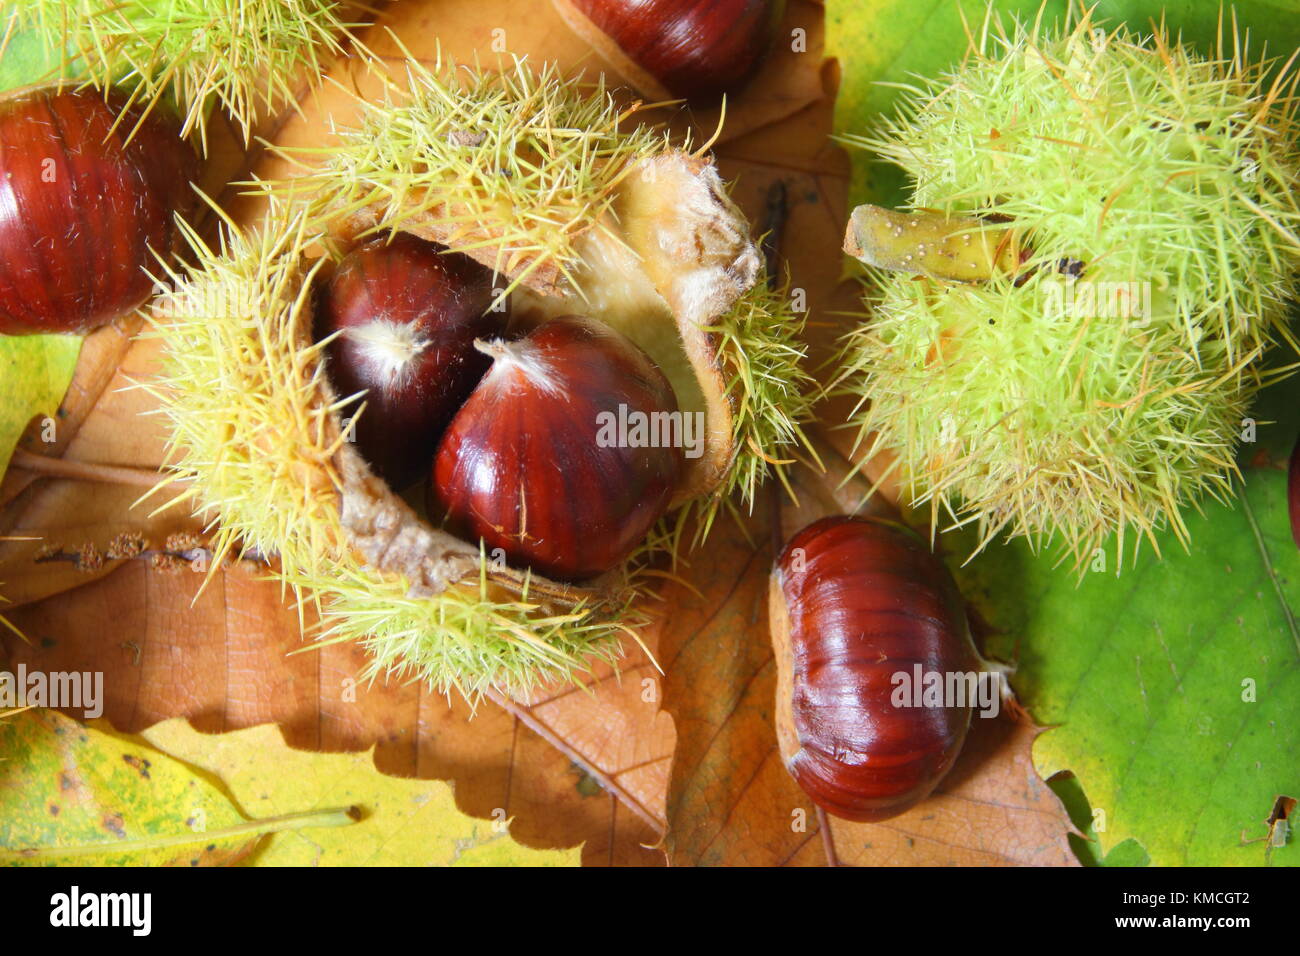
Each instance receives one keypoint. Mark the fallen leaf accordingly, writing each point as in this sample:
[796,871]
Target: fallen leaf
[403,821]
[71,794]
[232,657]
[1174,685]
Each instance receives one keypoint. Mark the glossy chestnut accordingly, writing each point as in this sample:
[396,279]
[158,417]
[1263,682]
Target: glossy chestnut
[82,209]
[692,49]
[407,314]
[855,602]
[531,466]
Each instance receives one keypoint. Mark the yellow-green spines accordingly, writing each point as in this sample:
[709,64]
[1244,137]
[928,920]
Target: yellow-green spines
[243,395]
[466,638]
[1100,385]
[529,174]
[519,163]
[243,55]
[771,393]
[254,441]
[515,167]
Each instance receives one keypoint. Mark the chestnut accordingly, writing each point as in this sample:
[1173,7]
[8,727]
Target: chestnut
[89,191]
[691,49]
[408,313]
[531,464]
[855,602]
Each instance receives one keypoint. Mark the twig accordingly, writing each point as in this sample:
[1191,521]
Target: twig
[828,839]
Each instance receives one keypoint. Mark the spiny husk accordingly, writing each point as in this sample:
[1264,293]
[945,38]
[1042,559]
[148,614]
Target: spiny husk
[535,179]
[244,55]
[1142,162]
[771,396]
[546,182]
[255,430]
[509,167]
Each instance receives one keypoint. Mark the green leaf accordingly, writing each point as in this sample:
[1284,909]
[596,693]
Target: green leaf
[34,374]
[1086,846]
[75,794]
[1173,688]
[78,794]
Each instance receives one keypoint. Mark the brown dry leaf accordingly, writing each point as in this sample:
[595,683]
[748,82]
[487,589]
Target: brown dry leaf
[68,514]
[225,658]
[730,799]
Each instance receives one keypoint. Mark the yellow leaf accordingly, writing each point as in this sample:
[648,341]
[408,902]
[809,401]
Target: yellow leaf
[405,822]
[72,794]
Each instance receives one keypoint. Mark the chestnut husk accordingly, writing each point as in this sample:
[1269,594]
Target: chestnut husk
[655,249]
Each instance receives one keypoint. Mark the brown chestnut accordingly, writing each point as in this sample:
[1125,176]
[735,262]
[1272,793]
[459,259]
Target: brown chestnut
[88,195]
[531,464]
[692,49]
[408,314]
[859,607]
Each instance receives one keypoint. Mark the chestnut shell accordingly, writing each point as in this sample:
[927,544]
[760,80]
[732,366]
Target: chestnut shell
[695,49]
[522,467]
[442,301]
[83,211]
[854,601]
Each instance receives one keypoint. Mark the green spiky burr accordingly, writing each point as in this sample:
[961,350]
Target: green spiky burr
[1082,376]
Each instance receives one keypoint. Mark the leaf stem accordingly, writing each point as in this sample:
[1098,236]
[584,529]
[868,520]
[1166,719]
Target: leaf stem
[84,471]
[333,817]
